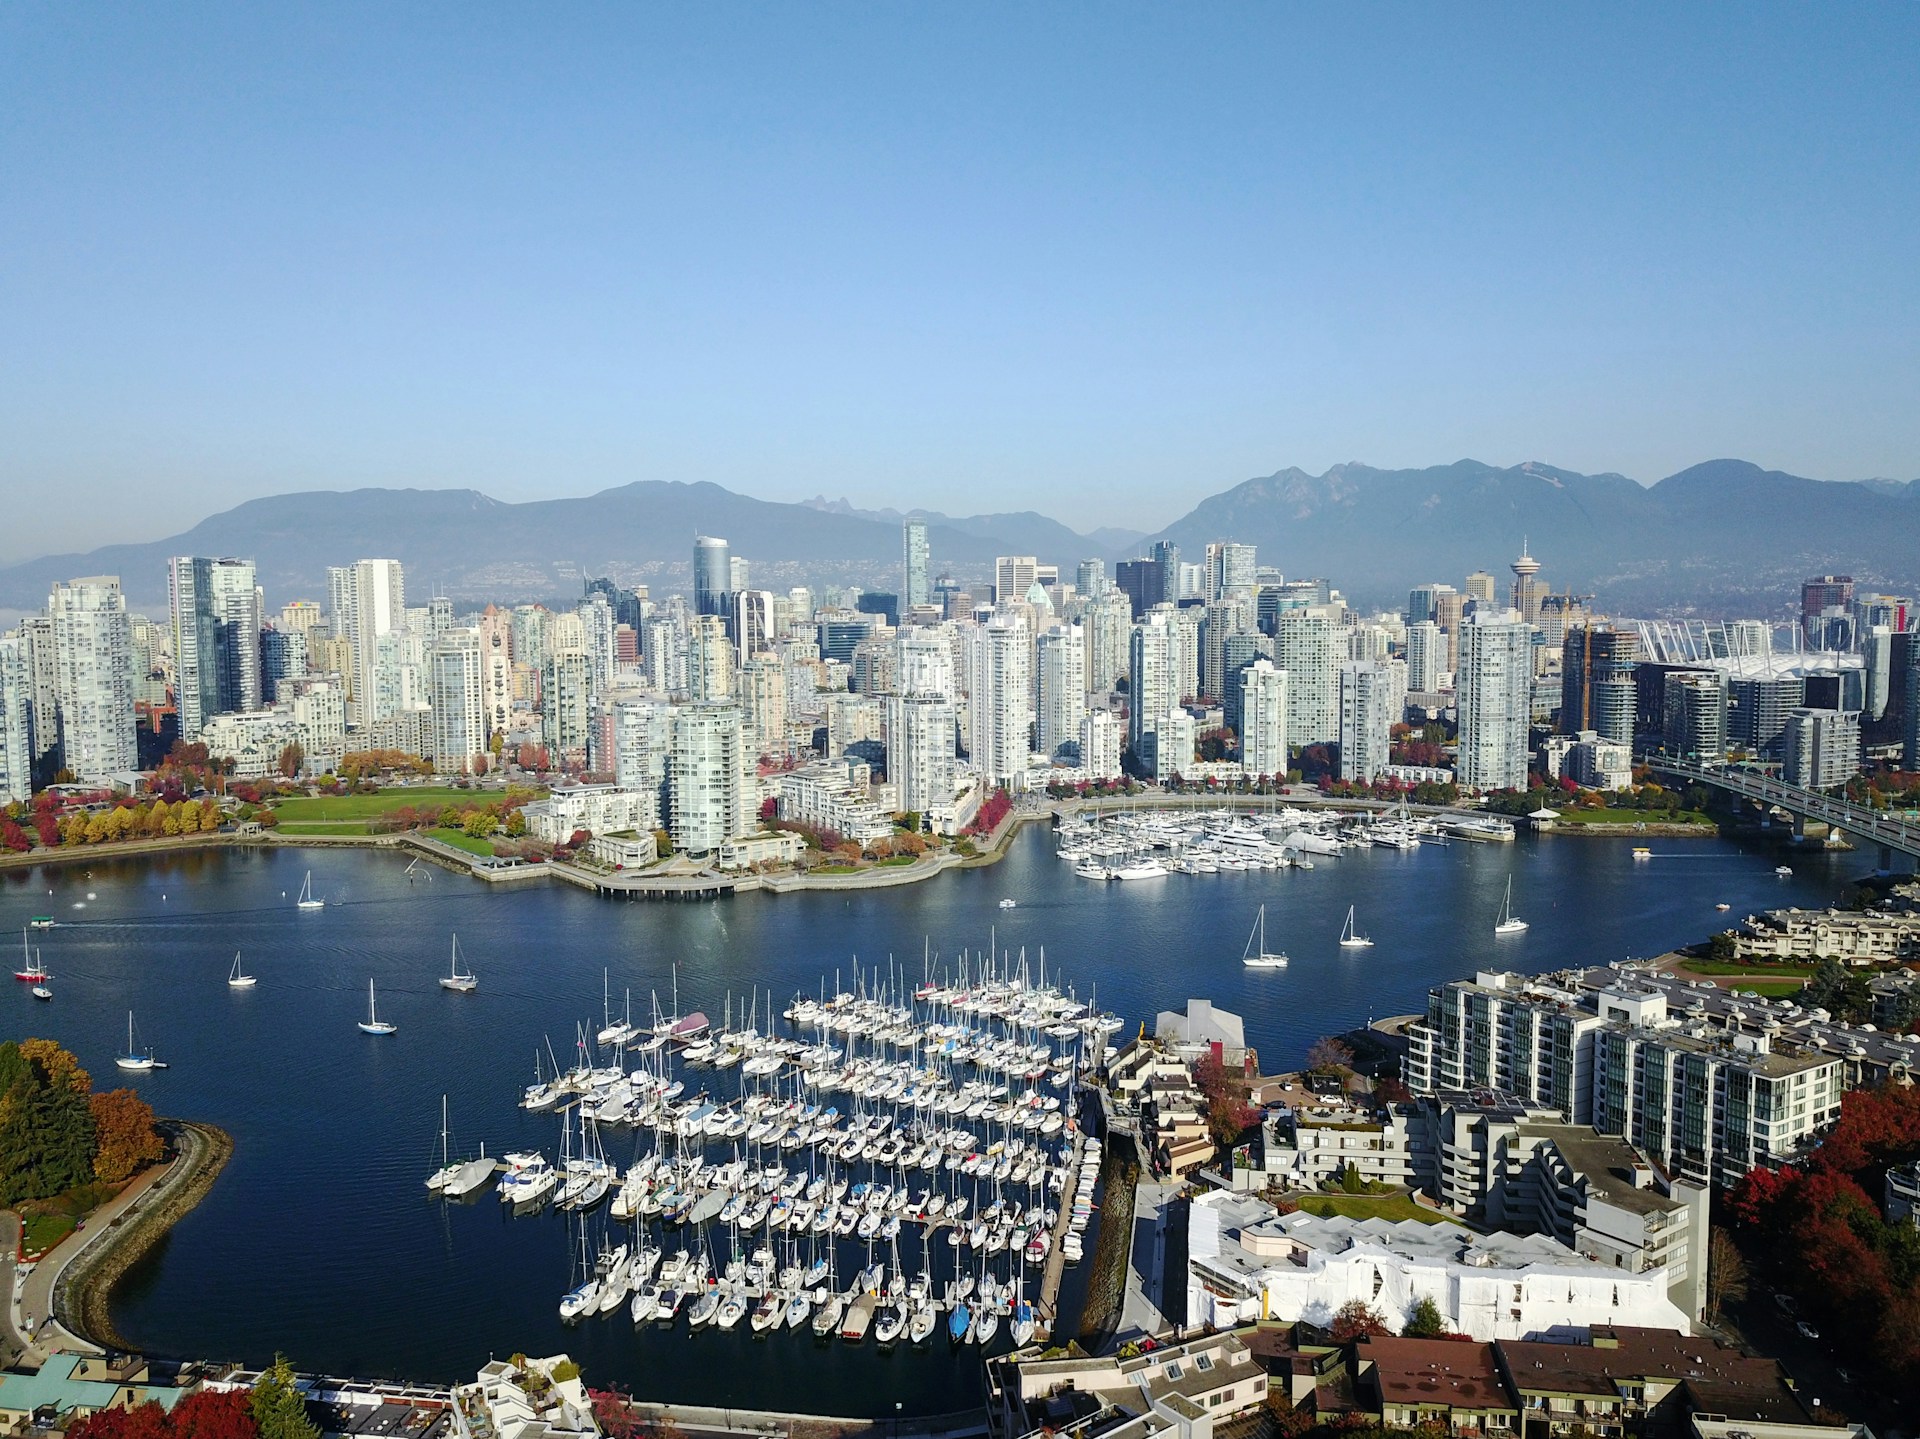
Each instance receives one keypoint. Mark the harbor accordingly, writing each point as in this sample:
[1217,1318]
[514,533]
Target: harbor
[943,1201]
[1150,844]
[328,1120]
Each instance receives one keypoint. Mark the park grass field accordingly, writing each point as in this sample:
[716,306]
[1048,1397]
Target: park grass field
[1630,817]
[349,813]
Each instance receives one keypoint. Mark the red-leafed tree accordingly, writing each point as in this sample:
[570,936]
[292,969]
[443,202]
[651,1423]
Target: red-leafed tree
[1355,1320]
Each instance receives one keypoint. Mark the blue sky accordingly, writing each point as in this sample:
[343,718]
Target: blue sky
[1096,260]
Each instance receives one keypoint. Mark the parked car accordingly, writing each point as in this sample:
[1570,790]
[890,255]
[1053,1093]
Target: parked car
[1807,1331]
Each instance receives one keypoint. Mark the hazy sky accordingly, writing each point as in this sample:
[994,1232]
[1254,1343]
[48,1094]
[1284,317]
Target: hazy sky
[1100,261]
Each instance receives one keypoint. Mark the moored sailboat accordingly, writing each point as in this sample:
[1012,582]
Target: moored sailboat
[1256,955]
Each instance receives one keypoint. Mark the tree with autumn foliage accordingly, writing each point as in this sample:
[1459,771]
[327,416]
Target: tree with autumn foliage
[1819,1232]
[1357,1320]
[124,1136]
[1229,1115]
[204,1414]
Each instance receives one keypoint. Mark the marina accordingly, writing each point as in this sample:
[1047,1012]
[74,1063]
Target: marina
[329,1123]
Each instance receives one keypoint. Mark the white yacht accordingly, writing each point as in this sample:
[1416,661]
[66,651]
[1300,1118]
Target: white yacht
[373,1023]
[237,980]
[1256,955]
[1509,922]
[306,900]
[459,981]
[1351,938]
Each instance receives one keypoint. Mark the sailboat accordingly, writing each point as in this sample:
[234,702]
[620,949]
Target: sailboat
[32,970]
[237,980]
[373,1023]
[136,1059]
[1256,956]
[1351,938]
[1509,922]
[454,979]
[306,900]
[457,1178]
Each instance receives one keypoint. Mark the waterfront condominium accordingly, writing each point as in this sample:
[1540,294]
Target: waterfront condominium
[1495,680]
[1369,701]
[920,757]
[1263,719]
[1061,659]
[16,721]
[93,677]
[214,607]
[705,791]
[914,589]
[1000,696]
[1100,744]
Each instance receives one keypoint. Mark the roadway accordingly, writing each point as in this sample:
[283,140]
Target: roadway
[1892,834]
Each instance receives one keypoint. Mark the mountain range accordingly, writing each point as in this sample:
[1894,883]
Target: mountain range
[1725,537]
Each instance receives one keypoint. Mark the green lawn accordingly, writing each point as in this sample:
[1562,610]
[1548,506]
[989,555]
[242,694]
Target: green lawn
[460,839]
[898,859]
[358,809]
[1630,817]
[1773,988]
[1370,1206]
[43,1231]
[1721,966]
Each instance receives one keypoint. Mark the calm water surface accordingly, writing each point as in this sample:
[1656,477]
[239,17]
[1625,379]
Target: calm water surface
[319,1240]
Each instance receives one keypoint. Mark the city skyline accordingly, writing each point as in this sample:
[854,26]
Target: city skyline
[951,261]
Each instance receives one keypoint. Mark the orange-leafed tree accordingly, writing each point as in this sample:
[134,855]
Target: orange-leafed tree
[123,1123]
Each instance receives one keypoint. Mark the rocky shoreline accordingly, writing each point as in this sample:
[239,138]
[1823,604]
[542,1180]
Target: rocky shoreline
[82,1295]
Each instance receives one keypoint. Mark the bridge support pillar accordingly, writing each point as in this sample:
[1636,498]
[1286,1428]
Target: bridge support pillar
[1886,859]
[1799,828]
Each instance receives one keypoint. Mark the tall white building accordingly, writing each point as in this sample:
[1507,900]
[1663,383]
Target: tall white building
[1225,618]
[1426,657]
[1172,744]
[368,600]
[1100,744]
[1153,683]
[1303,647]
[920,758]
[16,721]
[914,589]
[93,677]
[1495,684]
[1062,661]
[1000,696]
[496,668]
[1263,719]
[215,612]
[1367,714]
[459,701]
[1821,748]
[705,791]
[753,631]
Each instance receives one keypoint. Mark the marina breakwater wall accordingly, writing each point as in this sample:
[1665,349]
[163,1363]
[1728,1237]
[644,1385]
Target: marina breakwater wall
[83,1291]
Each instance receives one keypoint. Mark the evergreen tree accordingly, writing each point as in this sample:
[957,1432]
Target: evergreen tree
[278,1406]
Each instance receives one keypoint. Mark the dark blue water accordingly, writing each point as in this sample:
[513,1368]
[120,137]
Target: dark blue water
[318,1239]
